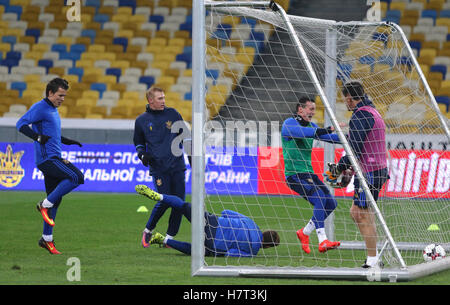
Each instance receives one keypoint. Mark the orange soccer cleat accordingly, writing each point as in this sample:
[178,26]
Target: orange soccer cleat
[328,245]
[44,213]
[49,246]
[304,239]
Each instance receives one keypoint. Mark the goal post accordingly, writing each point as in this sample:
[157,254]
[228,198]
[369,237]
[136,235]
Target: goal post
[258,61]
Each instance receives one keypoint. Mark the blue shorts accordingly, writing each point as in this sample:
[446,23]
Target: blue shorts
[306,184]
[375,180]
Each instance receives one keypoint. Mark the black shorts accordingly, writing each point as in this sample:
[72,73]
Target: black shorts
[375,181]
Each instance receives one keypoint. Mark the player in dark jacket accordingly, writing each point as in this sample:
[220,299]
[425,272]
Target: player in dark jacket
[154,141]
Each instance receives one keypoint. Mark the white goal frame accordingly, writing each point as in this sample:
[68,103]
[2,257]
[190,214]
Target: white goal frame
[198,267]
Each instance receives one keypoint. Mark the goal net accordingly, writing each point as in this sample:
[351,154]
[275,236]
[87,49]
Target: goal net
[259,62]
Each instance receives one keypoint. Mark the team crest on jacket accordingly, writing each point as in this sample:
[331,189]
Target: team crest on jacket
[11,173]
[150,126]
[159,182]
[169,124]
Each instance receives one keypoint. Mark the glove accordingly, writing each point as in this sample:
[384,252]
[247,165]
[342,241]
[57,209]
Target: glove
[337,179]
[42,139]
[70,142]
[145,158]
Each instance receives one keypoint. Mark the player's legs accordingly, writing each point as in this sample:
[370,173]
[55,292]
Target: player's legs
[178,188]
[162,185]
[50,184]
[66,173]
[362,213]
[310,187]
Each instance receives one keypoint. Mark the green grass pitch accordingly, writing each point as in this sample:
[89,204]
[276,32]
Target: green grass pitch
[103,231]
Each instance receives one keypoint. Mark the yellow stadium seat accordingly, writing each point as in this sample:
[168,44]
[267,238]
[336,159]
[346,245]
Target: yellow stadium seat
[90,94]
[131,96]
[86,102]
[158,41]
[398,6]
[427,56]
[96,48]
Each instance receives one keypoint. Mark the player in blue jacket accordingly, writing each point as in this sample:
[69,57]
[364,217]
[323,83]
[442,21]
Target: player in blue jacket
[60,176]
[154,139]
[230,234]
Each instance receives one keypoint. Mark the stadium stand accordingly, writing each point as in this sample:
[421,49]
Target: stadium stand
[122,47]
[118,50]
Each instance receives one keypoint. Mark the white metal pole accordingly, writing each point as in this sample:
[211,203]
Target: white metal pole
[198,116]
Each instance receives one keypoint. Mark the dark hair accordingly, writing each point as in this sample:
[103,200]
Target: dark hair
[55,84]
[302,102]
[354,89]
[270,239]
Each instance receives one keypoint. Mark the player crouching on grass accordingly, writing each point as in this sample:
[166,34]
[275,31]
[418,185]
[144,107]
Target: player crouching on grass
[230,234]
[60,176]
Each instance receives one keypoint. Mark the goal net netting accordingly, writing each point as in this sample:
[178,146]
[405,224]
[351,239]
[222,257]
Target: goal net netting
[255,75]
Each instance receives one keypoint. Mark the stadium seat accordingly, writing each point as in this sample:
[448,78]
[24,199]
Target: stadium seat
[46,63]
[100,87]
[19,86]
[148,80]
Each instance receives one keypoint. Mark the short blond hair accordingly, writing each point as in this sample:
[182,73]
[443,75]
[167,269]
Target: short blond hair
[151,92]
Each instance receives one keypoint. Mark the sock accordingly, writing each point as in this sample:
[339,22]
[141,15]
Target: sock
[47,204]
[47,238]
[148,231]
[307,230]
[167,238]
[321,235]
[372,260]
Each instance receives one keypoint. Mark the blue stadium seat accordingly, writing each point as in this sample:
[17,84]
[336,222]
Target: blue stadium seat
[78,48]
[36,33]
[19,86]
[131,3]
[444,14]
[94,3]
[148,80]
[380,37]
[123,41]
[186,26]
[8,62]
[59,47]
[250,21]
[186,57]
[255,44]
[76,71]
[5,3]
[13,55]
[89,33]
[393,16]
[443,100]
[73,56]
[14,9]
[100,87]
[439,68]
[9,39]
[114,71]
[101,18]
[212,73]
[416,45]
[429,14]
[405,60]
[188,96]
[158,19]
[46,63]
[344,71]
[223,31]
[367,60]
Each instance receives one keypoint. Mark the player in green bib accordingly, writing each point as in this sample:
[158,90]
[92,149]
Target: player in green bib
[298,134]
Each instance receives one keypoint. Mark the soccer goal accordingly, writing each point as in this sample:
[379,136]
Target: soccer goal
[259,61]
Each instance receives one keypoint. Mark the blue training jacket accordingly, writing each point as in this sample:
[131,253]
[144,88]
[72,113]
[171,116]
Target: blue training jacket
[45,120]
[153,134]
[237,235]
